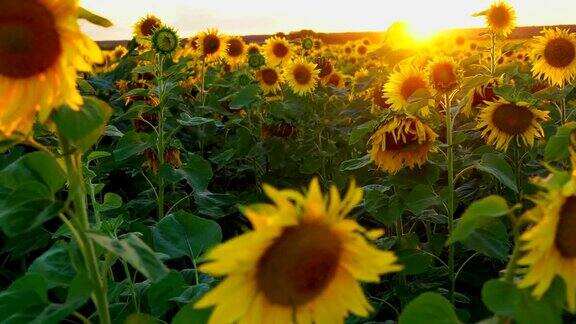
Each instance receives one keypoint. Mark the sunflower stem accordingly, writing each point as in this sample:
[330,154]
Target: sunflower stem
[161,144]
[82,226]
[492,53]
[450,206]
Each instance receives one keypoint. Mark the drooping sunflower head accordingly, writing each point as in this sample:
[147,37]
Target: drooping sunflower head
[301,256]
[500,18]
[145,27]
[555,56]
[41,49]
[119,52]
[444,74]
[211,44]
[402,84]
[301,76]
[479,96]
[269,79]
[236,51]
[401,142]
[277,50]
[501,121]
[550,244]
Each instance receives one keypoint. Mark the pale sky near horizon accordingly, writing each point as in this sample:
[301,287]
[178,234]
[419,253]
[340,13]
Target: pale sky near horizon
[245,17]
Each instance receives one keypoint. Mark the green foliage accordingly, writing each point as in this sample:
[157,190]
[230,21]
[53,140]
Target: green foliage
[430,308]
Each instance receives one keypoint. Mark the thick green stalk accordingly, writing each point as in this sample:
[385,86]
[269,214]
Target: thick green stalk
[492,53]
[161,141]
[77,190]
[450,207]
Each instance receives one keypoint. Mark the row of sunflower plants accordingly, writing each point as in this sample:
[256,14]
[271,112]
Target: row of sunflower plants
[146,183]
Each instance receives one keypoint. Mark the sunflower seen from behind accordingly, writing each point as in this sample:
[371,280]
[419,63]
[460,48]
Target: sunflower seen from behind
[401,142]
[301,76]
[549,245]
[555,56]
[211,45]
[300,264]
[277,50]
[502,121]
[41,49]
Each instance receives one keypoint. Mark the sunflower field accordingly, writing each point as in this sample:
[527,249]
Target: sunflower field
[208,179]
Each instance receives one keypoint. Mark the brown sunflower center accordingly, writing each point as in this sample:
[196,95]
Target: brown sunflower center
[512,119]
[398,144]
[302,74]
[499,17]
[253,50]
[334,79]
[361,50]
[280,50]
[269,76]
[299,265]
[410,85]
[211,44]
[29,39]
[235,47]
[565,240]
[559,52]
[444,76]
[148,26]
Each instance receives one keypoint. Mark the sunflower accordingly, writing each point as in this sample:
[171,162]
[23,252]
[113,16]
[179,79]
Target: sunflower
[443,74]
[236,51]
[555,54]
[269,79]
[402,84]
[300,264]
[335,79]
[144,29]
[500,18]
[401,142]
[502,121]
[478,96]
[376,95]
[301,75]
[119,52]
[277,50]
[41,49]
[324,67]
[550,244]
[253,48]
[211,44]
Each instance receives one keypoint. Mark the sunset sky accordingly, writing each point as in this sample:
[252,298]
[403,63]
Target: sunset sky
[269,16]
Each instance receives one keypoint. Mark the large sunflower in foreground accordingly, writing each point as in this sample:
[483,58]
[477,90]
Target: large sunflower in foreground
[269,79]
[500,18]
[301,75]
[41,48]
[501,121]
[236,51]
[402,84]
[211,44]
[550,244]
[301,264]
[555,54]
[144,29]
[401,142]
[277,50]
